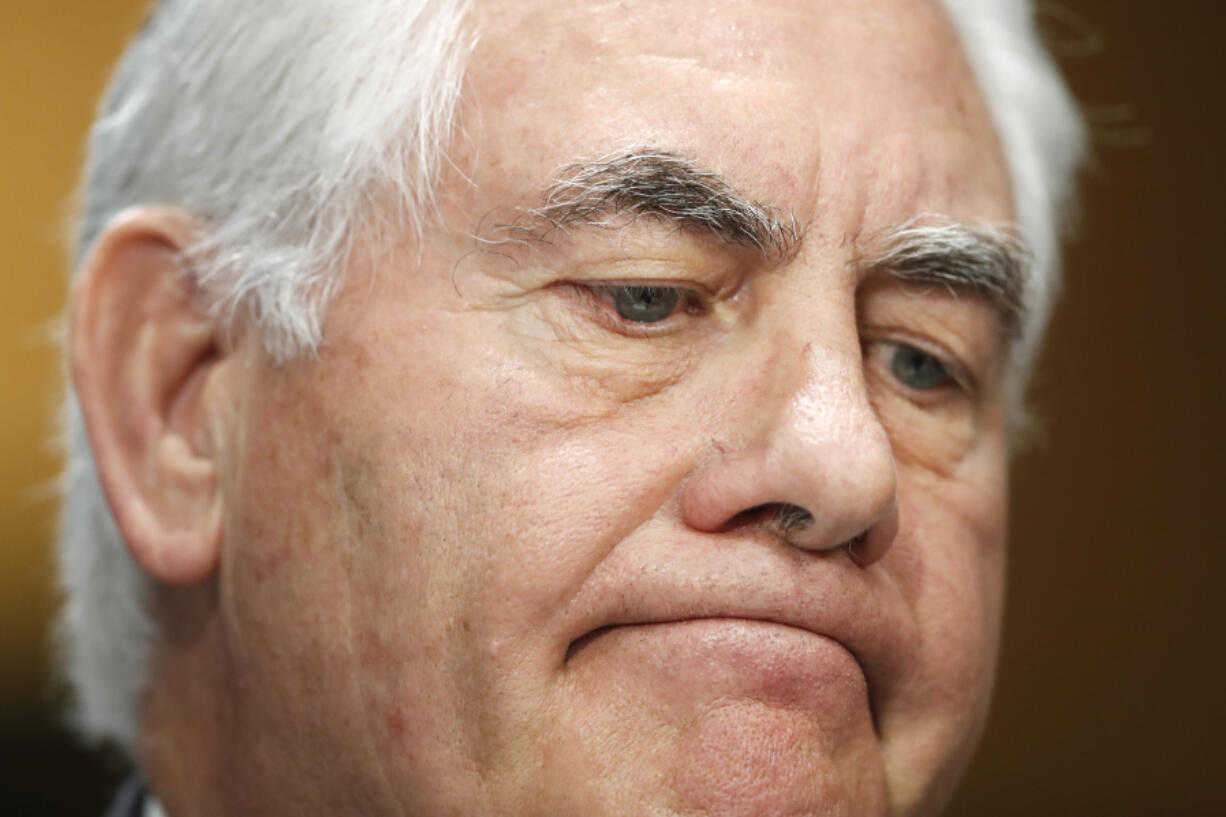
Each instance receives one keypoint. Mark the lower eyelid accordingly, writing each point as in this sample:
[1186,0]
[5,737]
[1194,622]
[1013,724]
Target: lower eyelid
[957,380]
[690,302]
[957,371]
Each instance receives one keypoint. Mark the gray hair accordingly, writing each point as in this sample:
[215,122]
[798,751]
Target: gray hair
[294,126]
[1043,136]
[290,127]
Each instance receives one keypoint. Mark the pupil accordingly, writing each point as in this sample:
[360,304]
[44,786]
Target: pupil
[645,304]
[918,369]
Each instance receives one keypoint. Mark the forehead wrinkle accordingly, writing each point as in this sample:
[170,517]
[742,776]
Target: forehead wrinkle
[991,262]
[617,189]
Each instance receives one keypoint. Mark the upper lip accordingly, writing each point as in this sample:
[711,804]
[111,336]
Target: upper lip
[825,594]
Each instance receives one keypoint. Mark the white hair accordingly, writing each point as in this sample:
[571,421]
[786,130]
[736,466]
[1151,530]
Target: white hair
[1043,136]
[291,127]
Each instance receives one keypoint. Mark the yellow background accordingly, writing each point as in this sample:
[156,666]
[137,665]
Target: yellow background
[1109,701]
[54,61]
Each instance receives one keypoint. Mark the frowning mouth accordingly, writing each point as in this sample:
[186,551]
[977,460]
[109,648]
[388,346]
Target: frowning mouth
[714,657]
[577,647]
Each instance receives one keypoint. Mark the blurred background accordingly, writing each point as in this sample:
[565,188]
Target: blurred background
[1110,695]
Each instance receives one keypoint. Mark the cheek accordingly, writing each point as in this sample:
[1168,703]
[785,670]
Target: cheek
[949,564]
[577,478]
[285,616]
[477,501]
[345,534]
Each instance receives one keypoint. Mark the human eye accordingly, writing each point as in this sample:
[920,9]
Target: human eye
[917,369]
[920,373]
[641,308]
[642,304]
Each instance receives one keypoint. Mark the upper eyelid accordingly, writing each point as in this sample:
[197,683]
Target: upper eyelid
[709,281]
[959,372]
[613,322]
[689,294]
[688,289]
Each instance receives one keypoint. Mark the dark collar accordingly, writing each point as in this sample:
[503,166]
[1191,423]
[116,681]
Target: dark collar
[130,801]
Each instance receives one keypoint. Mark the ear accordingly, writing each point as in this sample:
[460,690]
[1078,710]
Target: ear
[144,357]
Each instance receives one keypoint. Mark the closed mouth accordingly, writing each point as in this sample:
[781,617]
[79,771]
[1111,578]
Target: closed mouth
[577,647]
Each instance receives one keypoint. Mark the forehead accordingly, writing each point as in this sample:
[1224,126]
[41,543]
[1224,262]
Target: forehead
[864,107]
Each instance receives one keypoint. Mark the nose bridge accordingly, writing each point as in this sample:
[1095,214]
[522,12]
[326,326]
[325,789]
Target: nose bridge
[811,440]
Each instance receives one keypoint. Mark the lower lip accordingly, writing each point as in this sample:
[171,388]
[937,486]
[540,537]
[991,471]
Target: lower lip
[686,661]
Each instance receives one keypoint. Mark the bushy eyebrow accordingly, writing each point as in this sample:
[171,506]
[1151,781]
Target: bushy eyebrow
[990,262]
[605,192]
[651,183]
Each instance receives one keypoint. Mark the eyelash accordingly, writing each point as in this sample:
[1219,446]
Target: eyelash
[601,297]
[959,379]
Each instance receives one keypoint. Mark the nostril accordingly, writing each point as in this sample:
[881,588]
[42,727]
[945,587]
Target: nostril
[855,542]
[756,515]
[857,550]
[792,518]
[781,516]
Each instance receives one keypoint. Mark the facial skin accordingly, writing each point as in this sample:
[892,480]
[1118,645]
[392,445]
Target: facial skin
[499,551]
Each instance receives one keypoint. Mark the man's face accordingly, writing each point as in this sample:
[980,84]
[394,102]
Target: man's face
[510,545]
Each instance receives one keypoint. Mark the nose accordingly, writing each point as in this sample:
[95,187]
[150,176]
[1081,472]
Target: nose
[816,467]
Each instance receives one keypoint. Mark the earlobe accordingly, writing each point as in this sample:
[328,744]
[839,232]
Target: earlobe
[144,356]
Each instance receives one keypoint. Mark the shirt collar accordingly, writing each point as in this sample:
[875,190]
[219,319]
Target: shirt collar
[152,807]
